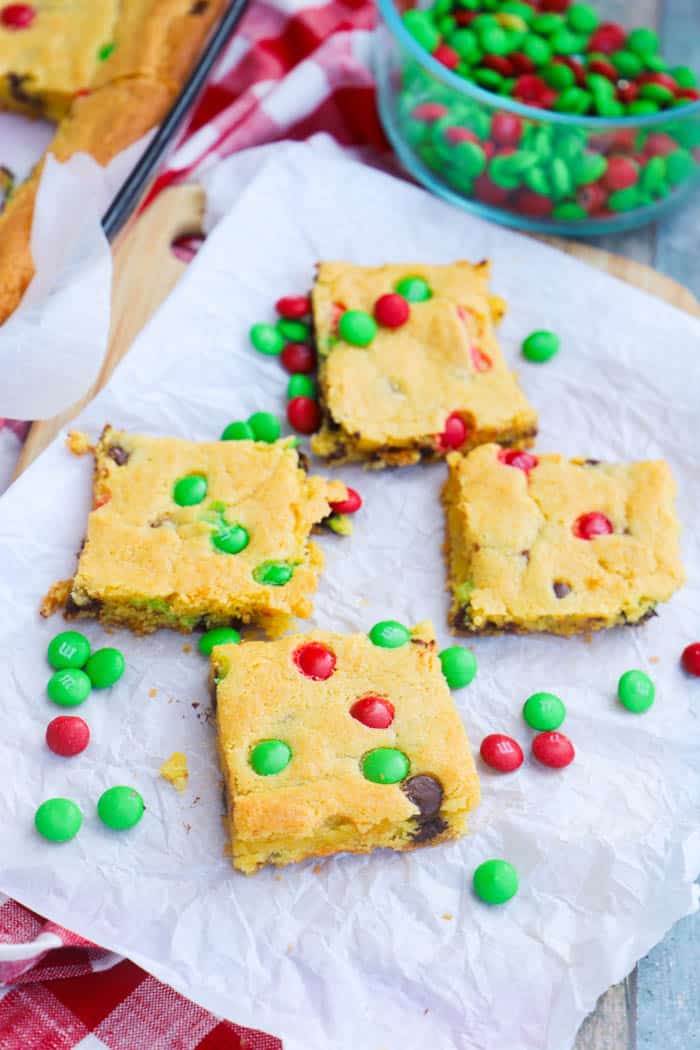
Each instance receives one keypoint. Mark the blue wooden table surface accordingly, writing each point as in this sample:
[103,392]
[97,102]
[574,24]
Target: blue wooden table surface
[658,1007]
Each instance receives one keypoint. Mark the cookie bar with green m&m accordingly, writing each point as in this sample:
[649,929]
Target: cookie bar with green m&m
[409,365]
[336,743]
[189,535]
[544,543]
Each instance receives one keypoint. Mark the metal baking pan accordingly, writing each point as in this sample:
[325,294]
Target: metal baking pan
[135,186]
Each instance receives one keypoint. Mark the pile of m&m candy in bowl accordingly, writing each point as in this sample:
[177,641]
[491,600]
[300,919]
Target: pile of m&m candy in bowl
[539,113]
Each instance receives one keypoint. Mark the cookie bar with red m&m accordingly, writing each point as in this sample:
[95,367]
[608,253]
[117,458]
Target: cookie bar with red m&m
[336,743]
[409,365]
[187,535]
[544,543]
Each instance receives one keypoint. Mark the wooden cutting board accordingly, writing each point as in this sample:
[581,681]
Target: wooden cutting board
[145,271]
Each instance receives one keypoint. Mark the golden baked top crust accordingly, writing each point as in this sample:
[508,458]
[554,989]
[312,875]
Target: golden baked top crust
[44,64]
[143,547]
[399,390]
[516,558]
[262,695]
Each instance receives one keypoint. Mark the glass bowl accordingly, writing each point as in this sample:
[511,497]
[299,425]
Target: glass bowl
[531,168]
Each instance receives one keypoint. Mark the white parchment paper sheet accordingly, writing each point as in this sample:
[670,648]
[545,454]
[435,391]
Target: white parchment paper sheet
[386,952]
[52,346]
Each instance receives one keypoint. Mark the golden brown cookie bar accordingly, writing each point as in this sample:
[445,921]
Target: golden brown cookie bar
[189,535]
[437,381]
[543,543]
[105,94]
[331,743]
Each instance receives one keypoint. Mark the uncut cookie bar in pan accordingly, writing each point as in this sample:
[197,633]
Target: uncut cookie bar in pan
[429,376]
[544,543]
[189,535]
[332,743]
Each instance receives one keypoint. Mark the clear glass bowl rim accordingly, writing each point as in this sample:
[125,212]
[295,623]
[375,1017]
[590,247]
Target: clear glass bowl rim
[469,90]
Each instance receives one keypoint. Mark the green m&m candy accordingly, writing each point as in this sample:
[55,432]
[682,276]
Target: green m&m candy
[120,808]
[415,289]
[68,649]
[293,331]
[627,63]
[458,666]
[190,490]
[389,634]
[385,765]
[301,385]
[273,573]
[218,636]
[684,77]
[69,687]
[679,166]
[270,757]
[636,691]
[58,819]
[540,346]
[105,667]
[238,431]
[265,427]
[643,41]
[266,339]
[231,539]
[582,18]
[544,711]
[495,881]
[357,327]
[421,28]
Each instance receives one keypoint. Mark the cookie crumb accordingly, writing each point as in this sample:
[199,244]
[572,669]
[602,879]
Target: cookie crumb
[175,770]
[153,692]
[78,442]
[448,915]
[654,659]
[278,878]
[316,868]
[187,648]
[290,947]
[55,598]
[196,704]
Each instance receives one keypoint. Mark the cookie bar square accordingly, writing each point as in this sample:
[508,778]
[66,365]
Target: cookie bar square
[544,543]
[189,535]
[51,50]
[388,403]
[330,743]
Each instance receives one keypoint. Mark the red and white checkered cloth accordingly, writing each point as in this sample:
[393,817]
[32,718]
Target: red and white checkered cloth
[290,71]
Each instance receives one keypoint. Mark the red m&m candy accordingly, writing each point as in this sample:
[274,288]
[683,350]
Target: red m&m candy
[304,415]
[351,503]
[517,457]
[553,749]
[315,660]
[481,361]
[506,129]
[447,56]
[488,191]
[608,37]
[535,204]
[392,310]
[17,16]
[588,526]
[375,712]
[293,306]
[455,433]
[690,659]
[298,357]
[428,113]
[67,735]
[659,144]
[501,752]
[620,173]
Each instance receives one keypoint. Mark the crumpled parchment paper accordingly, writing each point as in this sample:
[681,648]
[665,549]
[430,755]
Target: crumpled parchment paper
[386,952]
[58,334]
